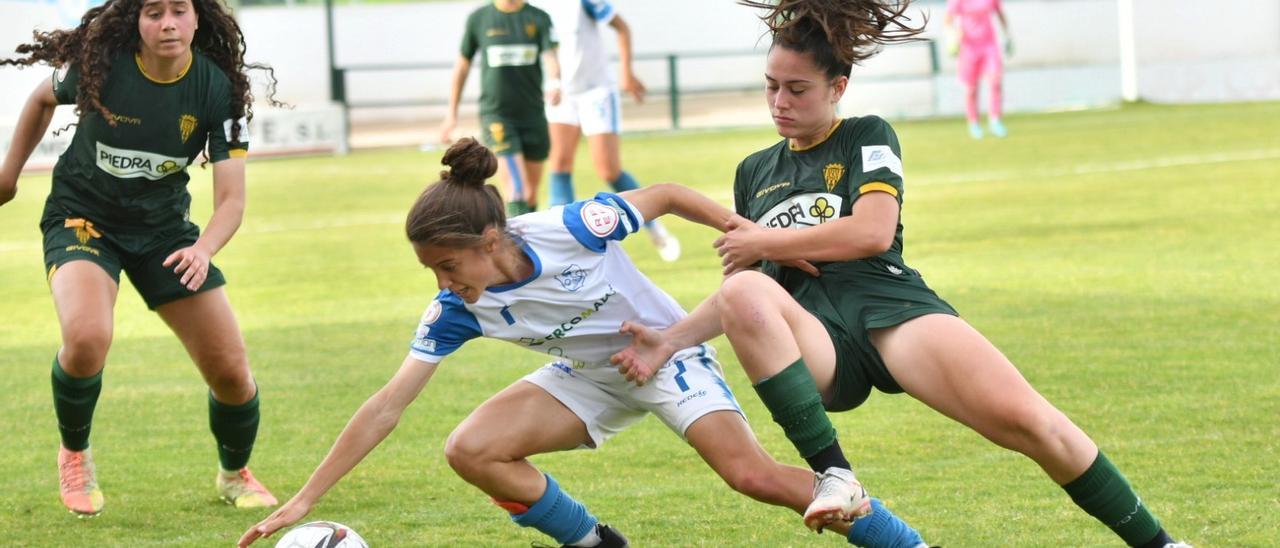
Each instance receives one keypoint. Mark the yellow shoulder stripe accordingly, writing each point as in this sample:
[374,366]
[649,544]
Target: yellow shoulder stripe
[877,186]
[237,153]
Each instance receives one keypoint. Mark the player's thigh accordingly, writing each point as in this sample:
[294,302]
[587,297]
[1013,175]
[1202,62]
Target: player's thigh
[207,327]
[521,420]
[755,295]
[564,146]
[84,295]
[945,363]
[606,155]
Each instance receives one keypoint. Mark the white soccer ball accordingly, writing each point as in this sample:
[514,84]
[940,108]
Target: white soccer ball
[321,534]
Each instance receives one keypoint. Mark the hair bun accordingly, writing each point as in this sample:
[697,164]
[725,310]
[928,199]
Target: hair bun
[470,163]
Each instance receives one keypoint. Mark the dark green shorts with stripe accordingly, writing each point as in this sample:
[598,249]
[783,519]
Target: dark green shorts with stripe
[507,136]
[849,306]
[140,254]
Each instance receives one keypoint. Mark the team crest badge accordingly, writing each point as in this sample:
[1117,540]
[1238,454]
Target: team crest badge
[600,219]
[187,125]
[531,29]
[572,277]
[821,208]
[84,229]
[832,174]
[496,131]
[432,314]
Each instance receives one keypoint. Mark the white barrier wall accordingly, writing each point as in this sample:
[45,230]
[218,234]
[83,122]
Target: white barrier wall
[1066,55]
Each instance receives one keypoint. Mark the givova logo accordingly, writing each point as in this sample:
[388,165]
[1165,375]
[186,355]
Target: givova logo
[132,164]
[803,210]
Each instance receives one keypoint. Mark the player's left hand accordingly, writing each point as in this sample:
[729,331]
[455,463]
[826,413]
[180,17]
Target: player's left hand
[192,264]
[286,515]
[646,354]
[633,86]
[739,248]
[553,96]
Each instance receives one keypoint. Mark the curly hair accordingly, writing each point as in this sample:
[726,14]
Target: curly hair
[838,33]
[113,27]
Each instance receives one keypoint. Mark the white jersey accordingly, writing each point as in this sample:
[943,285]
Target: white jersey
[582,288]
[584,60]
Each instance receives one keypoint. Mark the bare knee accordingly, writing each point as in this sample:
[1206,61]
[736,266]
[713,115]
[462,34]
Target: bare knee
[466,453]
[1035,431]
[742,296]
[84,350]
[226,371]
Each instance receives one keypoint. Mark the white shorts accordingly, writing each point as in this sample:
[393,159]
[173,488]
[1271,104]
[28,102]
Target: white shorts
[690,386]
[596,111]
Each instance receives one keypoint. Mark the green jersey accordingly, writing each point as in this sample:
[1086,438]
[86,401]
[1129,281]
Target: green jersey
[133,176]
[510,46]
[781,187]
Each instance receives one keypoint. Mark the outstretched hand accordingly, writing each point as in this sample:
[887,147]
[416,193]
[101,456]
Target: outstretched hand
[286,515]
[647,353]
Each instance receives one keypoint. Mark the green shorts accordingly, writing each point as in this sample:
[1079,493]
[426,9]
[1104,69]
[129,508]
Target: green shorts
[849,306]
[507,136]
[140,255]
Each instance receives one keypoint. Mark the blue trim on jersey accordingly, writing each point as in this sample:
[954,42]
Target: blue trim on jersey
[455,325]
[629,221]
[537,271]
[599,10]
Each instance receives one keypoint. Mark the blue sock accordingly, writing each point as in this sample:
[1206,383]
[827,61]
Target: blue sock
[557,515]
[626,182]
[561,188]
[882,529]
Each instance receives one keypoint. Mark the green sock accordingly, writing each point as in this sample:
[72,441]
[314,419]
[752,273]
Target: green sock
[74,399]
[1105,494]
[235,427]
[792,398]
[518,207]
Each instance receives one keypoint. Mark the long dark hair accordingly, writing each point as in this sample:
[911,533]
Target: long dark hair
[837,33]
[113,27]
[456,210]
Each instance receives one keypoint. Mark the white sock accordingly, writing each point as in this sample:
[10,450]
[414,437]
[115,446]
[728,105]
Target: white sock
[588,540]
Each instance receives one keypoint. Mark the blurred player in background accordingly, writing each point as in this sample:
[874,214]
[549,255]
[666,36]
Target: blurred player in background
[513,39]
[973,37]
[155,83]
[589,103]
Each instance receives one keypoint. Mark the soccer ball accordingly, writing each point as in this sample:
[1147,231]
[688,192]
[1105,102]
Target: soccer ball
[317,534]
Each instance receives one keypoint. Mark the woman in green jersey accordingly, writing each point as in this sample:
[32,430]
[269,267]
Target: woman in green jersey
[868,320]
[155,82]
[513,39]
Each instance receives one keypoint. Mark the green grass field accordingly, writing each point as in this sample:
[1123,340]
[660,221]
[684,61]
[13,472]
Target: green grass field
[1125,259]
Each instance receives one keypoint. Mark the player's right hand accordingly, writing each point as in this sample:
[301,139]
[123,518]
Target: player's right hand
[8,188]
[648,352]
[446,130]
[286,515]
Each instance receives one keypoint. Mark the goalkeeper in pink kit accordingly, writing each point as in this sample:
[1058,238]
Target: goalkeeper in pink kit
[971,31]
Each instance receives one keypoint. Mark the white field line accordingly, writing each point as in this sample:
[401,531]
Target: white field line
[726,195]
[1108,167]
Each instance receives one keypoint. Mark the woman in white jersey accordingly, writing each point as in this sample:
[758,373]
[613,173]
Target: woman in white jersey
[589,103]
[555,281]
